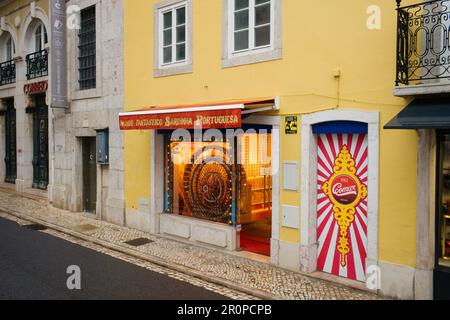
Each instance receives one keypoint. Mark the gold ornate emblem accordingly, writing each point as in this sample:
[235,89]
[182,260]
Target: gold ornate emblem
[345,191]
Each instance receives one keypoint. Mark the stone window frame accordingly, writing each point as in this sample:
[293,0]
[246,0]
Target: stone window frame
[274,52]
[84,83]
[5,50]
[72,46]
[179,68]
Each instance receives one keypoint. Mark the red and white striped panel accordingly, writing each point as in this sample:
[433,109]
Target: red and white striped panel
[329,147]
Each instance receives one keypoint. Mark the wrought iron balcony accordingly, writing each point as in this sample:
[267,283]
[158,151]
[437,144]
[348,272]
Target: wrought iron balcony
[7,72]
[37,64]
[423,47]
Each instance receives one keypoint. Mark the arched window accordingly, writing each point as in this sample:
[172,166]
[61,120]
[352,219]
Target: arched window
[9,49]
[39,37]
[7,64]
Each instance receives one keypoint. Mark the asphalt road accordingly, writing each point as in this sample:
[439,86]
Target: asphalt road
[33,265]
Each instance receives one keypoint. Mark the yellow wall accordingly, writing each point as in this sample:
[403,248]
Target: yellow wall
[137,167]
[318,37]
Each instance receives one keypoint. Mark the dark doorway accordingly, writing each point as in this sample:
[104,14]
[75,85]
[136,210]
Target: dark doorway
[442,269]
[10,142]
[40,143]
[89,175]
[255,192]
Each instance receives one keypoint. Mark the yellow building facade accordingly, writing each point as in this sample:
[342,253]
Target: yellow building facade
[320,77]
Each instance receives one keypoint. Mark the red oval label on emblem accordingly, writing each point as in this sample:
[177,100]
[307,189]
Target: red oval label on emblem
[344,189]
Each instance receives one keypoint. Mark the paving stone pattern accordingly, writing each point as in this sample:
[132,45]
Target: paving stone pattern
[276,281]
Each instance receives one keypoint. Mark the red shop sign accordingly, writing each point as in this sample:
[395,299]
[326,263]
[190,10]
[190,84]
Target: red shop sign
[219,119]
[36,87]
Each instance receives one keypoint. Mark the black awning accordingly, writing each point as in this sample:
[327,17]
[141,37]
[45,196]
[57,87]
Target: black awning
[422,113]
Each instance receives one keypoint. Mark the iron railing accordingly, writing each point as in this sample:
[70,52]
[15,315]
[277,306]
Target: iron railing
[7,72]
[423,47]
[37,64]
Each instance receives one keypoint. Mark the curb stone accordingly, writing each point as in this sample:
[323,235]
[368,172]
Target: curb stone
[196,274]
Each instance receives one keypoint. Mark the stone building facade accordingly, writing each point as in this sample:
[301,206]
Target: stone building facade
[92,109]
[24,85]
[56,148]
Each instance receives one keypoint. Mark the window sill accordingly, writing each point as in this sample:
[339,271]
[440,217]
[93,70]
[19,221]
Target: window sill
[37,79]
[172,71]
[182,218]
[8,86]
[252,58]
[86,94]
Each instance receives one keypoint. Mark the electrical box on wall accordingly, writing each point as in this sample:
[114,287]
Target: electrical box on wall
[290,217]
[290,175]
[103,146]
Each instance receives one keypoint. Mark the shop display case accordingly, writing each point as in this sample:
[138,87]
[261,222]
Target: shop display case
[256,199]
[205,180]
[445,216]
[446,237]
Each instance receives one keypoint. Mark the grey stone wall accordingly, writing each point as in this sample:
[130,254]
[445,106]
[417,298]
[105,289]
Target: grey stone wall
[91,110]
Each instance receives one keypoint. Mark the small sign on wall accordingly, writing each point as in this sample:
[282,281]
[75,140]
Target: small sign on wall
[58,57]
[291,125]
[35,87]
[103,146]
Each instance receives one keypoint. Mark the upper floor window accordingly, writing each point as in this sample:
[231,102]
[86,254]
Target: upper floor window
[40,38]
[87,49]
[7,64]
[173,34]
[9,49]
[173,46]
[252,24]
[253,31]
[37,59]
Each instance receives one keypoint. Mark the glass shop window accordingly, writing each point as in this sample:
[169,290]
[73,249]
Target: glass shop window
[255,181]
[215,181]
[443,218]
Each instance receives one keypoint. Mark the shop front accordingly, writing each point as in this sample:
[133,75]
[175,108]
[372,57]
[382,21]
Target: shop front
[212,179]
[339,214]
[442,270]
[431,119]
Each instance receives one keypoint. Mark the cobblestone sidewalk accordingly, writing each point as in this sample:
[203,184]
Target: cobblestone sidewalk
[226,270]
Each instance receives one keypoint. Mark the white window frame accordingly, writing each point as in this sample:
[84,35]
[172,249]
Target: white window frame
[8,51]
[273,51]
[173,9]
[42,37]
[251,30]
[175,67]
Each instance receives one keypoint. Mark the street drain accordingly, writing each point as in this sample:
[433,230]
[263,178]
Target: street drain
[138,242]
[35,227]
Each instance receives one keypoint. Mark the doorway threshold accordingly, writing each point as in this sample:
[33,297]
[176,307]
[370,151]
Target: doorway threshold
[252,256]
[38,193]
[90,215]
[342,281]
[7,186]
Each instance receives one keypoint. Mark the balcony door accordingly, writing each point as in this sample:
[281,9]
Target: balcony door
[40,143]
[10,143]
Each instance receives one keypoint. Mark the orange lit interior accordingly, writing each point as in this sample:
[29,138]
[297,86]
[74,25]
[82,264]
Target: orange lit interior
[254,205]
